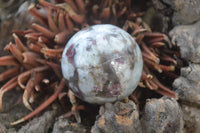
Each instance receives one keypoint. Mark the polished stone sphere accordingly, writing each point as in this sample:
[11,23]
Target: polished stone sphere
[102,63]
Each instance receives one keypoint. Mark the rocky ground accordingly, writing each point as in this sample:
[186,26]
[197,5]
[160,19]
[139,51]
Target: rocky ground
[180,19]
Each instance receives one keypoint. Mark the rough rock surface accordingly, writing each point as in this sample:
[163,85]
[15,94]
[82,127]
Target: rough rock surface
[156,20]
[192,118]
[63,125]
[187,85]
[184,11]
[40,124]
[187,37]
[20,20]
[11,112]
[162,115]
[117,118]
[9,8]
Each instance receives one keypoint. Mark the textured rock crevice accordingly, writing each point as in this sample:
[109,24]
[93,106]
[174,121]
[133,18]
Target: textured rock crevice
[159,115]
[162,115]
[183,11]
[118,118]
[187,85]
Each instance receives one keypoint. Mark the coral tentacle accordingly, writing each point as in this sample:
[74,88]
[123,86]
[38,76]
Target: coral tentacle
[12,83]
[43,105]
[9,73]
[8,60]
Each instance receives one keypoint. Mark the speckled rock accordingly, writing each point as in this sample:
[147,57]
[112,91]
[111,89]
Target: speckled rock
[3,129]
[40,124]
[118,118]
[162,115]
[156,20]
[187,37]
[63,125]
[192,118]
[184,11]
[19,19]
[11,111]
[9,7]
[187,85]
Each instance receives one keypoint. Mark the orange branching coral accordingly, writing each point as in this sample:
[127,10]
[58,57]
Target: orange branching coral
[36,52]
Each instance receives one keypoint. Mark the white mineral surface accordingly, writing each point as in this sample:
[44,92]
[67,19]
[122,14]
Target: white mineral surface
[102,63]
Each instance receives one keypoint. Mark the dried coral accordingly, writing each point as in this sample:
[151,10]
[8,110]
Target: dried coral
[36,52]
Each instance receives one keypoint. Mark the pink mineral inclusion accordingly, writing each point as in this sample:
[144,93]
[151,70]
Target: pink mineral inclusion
[70,53]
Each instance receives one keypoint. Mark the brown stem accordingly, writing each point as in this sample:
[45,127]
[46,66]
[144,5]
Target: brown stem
[52,53]
[149,53]
[165,57]
[152,65]
[47,4]
[122,12]
[8,60]
[154,35]
[9,73]
[69,23]
[105,14]
[51,22]
[167,68]
[30,59]
[157,44]
[34,80]
[38,15]
[23,77]
[16,52]
[47,33]
[34,48]
[164,90]
[72,5]
[56,68]
[19,44]
[43,105]
[43,39]
[81,6]
[61,22]
[62,37]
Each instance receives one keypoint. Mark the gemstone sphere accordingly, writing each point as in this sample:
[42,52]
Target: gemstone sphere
[102,63]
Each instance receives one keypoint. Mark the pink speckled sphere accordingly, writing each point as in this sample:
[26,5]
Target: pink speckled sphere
[102,63]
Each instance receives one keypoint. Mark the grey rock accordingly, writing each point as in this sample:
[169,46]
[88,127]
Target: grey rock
[192,119]
[184,11]
[11,111]
[187,37]
[20,19]
[9,7]
[162,115]
[3,129]
[9,99]
[118,118]
[40,124]
[158,4]
[187,85]
[63,125]
[156,20]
